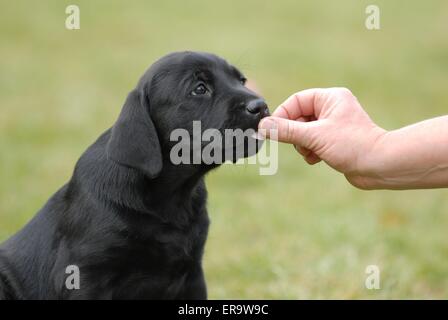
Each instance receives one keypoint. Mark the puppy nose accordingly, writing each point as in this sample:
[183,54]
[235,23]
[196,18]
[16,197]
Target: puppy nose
[257,107]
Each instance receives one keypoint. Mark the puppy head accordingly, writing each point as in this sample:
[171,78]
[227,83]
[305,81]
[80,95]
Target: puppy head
[176,91]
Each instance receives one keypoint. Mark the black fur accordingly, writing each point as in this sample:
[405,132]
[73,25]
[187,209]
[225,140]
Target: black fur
[134,223]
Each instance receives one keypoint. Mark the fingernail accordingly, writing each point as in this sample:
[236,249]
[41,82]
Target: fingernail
[268,124]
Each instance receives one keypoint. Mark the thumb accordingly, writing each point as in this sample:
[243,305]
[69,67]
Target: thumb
[288,131]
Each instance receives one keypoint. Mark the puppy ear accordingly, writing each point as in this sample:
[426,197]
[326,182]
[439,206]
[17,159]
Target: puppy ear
[134,142]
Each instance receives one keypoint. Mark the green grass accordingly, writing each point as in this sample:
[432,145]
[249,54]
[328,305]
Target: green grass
[302,233]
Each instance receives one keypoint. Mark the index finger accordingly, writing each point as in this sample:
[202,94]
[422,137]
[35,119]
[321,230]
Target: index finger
[300,104]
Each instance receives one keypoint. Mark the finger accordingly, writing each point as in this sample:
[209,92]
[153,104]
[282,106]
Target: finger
[303,151]
[309,156]
[313,159]
[289,131]
[300,104]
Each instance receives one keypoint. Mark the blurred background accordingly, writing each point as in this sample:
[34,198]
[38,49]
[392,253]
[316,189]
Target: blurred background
[302,233]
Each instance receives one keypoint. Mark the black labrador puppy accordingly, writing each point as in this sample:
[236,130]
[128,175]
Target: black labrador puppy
[130,222]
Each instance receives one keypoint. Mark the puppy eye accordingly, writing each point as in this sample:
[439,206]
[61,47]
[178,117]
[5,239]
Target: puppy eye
[199,90]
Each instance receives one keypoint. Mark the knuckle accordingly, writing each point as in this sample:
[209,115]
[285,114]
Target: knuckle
[285,110]
[345,93]
[344,90]
[359,182]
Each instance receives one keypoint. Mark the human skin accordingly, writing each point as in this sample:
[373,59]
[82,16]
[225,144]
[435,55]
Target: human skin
[331,125]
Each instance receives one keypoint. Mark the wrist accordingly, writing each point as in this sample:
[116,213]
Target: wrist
[373,161]
[408,158]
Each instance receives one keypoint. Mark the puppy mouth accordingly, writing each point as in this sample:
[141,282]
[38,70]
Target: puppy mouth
[238,136]
[245,148]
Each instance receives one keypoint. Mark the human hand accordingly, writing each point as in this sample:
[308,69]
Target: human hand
[329,125]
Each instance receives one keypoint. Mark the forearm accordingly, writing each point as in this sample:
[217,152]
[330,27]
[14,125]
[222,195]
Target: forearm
[412,157]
